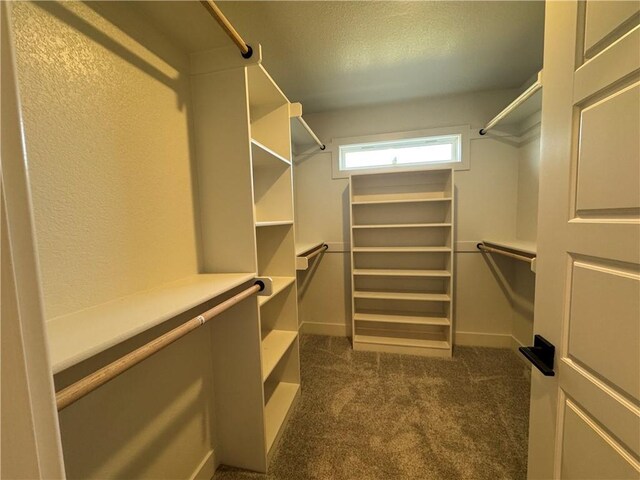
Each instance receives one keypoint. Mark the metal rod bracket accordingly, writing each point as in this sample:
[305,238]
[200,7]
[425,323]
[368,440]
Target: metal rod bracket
[267,286]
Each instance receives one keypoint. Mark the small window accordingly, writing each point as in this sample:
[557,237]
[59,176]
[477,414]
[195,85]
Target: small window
[401,153]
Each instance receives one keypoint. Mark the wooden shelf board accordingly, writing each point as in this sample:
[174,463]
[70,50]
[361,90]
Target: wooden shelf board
[518,246]
[273,223]
[274,345]
[431,297]
[279,284]
[277,409]
[401,318]
[264,157]
[400,249]
[302,248]
[401,200]
[83,334]
[405,225]
[402,342]
[400,273]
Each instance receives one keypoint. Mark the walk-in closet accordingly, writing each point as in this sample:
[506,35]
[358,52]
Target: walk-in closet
[320,240]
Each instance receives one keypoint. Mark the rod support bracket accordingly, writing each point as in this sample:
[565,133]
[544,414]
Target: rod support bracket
[248,53]
[266,284]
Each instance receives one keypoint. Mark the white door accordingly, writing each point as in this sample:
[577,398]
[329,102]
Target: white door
[585,420]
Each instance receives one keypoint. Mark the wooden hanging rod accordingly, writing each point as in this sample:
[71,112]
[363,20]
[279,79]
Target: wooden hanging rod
[235,37]
[311,132]
[483,248]
[523,97]
[322,248]
[88,384]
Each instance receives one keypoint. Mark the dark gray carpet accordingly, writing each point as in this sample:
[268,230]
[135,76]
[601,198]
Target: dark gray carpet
[371,416]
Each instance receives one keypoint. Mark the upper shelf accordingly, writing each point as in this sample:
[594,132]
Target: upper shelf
[83,334]
[522,246]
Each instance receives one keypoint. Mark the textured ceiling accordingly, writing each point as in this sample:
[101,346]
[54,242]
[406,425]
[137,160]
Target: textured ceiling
[330,55]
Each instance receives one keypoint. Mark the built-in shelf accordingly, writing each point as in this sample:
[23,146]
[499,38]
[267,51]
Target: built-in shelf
[278,285]
[418,296]
[264,157]
[384,272]
[401,318]
[439,342]
[83,334]
[401,200]
[274,345]
[400,249]
[273,223]
[406,225]
[277,409]
[522,246]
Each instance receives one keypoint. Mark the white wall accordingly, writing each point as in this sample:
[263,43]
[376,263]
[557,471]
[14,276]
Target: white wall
[107,130]
[487,206]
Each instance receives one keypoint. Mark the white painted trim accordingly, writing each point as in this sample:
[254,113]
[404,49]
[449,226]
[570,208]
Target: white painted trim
[207,467]
[463,130]
[327,329]
[479,339]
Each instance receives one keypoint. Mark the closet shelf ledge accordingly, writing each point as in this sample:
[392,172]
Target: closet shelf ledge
[77,336]
[279,284]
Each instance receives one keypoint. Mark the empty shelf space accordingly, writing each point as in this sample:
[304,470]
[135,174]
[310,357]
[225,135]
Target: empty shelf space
[406,225]
[273,223]
[401,318]
[83,334]
[374,200]
[277,409]
[400,249]
[384,272]
[279,284]
[439,343]
[426,297]
[274,345]
[264,157]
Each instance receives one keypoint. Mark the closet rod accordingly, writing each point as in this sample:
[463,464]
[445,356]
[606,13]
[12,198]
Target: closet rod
[313,135]
[483,248]
[245,50]
[322,248]
[524,96]
[88,384]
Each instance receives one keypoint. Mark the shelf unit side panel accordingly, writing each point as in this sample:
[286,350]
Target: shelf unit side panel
[225,190]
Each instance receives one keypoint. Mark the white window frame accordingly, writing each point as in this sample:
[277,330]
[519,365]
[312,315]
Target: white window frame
[462,130]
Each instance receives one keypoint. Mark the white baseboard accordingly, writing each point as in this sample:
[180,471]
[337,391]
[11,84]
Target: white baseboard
[476,339]
[207,468]
[329,329]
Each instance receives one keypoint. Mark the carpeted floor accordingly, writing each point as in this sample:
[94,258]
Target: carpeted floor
[370,416]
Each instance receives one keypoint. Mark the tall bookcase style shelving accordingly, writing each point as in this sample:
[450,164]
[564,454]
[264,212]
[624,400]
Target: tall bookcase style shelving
[402,234]
[243,147]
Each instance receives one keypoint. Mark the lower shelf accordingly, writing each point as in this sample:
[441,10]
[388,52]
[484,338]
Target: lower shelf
[277,410]
[279,284]
[274,345]
[401,318]
[434,344]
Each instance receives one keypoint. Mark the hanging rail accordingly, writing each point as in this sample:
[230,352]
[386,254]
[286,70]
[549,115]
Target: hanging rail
[483,248]
[88,384]
[524,96]
[217,14]
[313,135]
[317,252]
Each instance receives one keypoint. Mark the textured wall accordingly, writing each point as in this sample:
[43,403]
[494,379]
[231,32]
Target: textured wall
[107,137]
[108,146]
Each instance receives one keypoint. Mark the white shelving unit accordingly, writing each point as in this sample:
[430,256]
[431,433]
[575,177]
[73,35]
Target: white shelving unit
[402,264]
[247,132]
[275,249]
